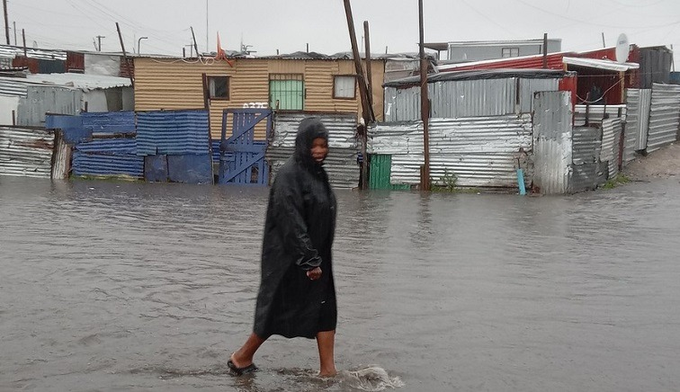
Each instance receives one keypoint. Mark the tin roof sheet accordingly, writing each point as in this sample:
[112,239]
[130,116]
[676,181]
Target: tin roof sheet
[83,82]
[607,65]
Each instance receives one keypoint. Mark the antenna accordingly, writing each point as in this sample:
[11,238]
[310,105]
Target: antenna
[622,48]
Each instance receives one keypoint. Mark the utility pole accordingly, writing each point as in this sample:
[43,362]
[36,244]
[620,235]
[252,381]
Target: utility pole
[127,64]
[366,109]
[424,105]
[604,44]
[23,34]
[4,5]
[545,50]
[15,33]
[99,42]
[207,29]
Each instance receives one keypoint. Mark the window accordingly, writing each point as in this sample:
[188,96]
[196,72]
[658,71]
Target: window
[510,52]
[286,91]
[344,87]
[218,87]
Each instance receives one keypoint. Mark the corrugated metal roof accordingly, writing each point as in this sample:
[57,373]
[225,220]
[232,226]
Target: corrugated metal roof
[552,141]
[110,123]
[607,65]
[341,128]
[26,152]
[15,86]
[664,116]
[83,82]
[481,74]
[533,61]
[182,132]
[42,54]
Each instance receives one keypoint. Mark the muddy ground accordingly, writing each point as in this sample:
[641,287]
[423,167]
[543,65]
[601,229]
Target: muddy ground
[663,163]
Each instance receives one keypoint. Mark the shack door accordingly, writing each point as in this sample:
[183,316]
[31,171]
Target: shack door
[241,154]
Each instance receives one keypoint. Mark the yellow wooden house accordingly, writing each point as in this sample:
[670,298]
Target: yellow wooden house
[327,85]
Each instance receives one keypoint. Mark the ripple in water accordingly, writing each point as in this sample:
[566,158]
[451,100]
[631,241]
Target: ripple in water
[372,379]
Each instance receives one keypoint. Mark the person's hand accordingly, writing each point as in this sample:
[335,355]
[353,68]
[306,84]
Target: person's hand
[314,274]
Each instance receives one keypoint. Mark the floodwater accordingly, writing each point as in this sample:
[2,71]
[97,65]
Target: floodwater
[108,286]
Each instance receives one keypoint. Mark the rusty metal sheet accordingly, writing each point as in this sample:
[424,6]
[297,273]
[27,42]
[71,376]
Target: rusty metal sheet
[26,152]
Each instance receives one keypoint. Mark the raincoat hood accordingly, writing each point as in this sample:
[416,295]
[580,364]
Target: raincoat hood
[310,128]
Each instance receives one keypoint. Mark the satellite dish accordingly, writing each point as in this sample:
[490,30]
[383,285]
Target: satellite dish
[622,48]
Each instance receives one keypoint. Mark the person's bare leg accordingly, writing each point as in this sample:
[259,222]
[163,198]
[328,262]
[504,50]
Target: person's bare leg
[326,342]
[244,356]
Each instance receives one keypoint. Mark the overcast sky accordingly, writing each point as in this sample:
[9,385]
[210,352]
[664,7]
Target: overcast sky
[289,25]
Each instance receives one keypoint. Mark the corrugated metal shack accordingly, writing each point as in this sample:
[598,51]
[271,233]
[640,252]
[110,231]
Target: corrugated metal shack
[341,163]
[481,127]
[595,68]
[25,100]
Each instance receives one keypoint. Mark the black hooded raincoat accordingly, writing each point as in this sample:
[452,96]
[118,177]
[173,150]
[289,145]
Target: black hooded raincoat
[298,235]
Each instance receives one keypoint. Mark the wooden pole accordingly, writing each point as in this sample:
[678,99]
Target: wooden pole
[369,74]
[4,4]
[23,36]
[125,58]
[366,109]
[424,105]
[545,50]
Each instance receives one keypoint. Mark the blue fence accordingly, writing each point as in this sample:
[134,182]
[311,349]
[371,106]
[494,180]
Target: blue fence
[157,146]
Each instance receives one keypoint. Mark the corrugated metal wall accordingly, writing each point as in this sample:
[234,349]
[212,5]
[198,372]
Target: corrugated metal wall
[182,132]
[341,163]
[637,121]
[45,99]
[472,98]
[587,172]
[480,151]
[341,129]
[26,151]
[664,117]
[467,98]
[178,84]
[611,142]
[108,157]
[552,141]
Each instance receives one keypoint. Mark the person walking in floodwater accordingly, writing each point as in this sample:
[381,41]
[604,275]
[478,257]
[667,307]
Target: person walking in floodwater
[297,291]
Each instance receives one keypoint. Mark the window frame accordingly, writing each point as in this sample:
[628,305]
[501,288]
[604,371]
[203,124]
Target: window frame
[209,92]
[282,77]
[511,49]
[354,90]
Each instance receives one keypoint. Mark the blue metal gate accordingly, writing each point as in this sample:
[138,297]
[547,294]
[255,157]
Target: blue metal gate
[241,156]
